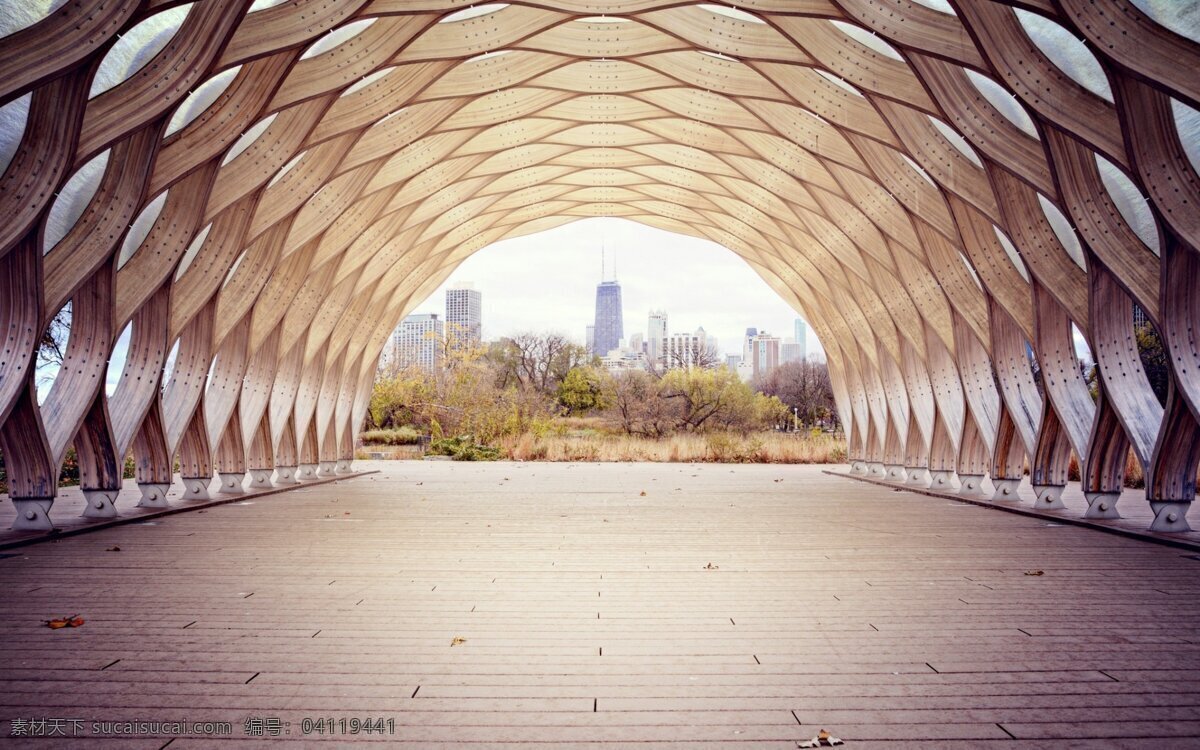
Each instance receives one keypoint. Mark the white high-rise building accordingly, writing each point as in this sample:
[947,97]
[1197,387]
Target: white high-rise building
[464,315]
[687,350]
[418,341]
[790,351]
[801,334]
[590,340]
[747,354]
[637,343]
[656,333]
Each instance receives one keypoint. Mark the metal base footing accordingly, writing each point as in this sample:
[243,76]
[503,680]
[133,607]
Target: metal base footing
[154,494]
[260,479]
[972,484]
[307,471]
[1171,517]
[100,504]
[231,482]
[343,466]
[1006,489]
[285,475]
[918,476]
[326,470]
[875,469]
[1049,496]
[1102,505]
[942,480]
[895,473]
[858,467]
[33,514]
[196,488]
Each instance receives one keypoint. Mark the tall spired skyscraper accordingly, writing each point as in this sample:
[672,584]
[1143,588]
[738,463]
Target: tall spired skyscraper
[610,328]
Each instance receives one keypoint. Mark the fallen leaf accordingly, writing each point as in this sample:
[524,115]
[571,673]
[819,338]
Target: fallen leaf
[457,641]
[822,739]
[113,548]
[710,566]
[1035,572]
[643,493]
[70,621]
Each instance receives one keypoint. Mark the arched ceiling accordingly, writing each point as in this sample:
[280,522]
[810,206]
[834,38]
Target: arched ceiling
[305,172]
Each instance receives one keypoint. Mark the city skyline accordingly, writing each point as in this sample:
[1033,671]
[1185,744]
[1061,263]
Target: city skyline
[547,282]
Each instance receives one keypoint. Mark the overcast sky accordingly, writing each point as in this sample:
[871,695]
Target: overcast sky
[547,282]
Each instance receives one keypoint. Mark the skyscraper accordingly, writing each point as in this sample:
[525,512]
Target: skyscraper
[802,337]
[417,341]
[610,328]
[590,338]
[688,350]
[790,351]
[747,354]
[655,333]
[764,352]
[464,315]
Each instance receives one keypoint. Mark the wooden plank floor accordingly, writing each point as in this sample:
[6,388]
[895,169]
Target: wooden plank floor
[589,616]
[1135,520]
[66,512]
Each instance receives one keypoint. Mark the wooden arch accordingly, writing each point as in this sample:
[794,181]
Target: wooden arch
[944,192]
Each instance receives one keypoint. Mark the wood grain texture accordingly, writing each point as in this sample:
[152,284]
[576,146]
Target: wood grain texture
[591,619]
[903,207]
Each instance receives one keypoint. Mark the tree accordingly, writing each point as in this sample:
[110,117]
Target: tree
[1154,360]
[638,406]
[397,398]
[537,361]
[52,346]
[718,399]
[585,388]
[804,387]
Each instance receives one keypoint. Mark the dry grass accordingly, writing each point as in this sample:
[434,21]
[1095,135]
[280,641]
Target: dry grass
[718,447]
[389,452]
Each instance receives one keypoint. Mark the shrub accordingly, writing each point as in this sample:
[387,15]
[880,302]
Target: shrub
[463,448]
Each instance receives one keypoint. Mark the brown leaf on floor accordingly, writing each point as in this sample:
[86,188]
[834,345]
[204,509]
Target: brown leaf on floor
[457,641]
[113,548]
[70,621]
[777,481]
[823,739]
[710,566]
[643,493]
[1035,572]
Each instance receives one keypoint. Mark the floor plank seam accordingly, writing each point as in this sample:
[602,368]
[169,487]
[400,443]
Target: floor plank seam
[1022,510]
[174,510]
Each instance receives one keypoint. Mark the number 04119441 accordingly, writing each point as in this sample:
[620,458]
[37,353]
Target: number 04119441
[330,725]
